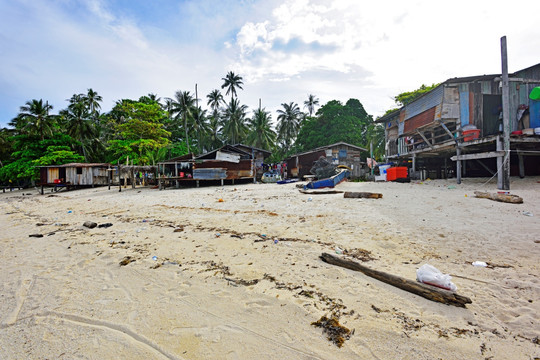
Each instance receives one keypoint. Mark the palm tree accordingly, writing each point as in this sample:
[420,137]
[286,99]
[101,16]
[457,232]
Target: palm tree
[260,126]
[215,99]
[231,81]
[234,121]
[311,103]
[200,125]
[183,105]
[79,124]
[92,100]
[34,118]
[289,123]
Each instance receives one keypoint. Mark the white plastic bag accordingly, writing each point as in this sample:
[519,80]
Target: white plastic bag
[430,275]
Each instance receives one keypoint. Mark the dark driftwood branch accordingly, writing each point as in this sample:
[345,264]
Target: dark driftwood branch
[367,195]
[415,287]
[513,199]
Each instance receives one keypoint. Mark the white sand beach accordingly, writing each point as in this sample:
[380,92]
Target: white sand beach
[242,278]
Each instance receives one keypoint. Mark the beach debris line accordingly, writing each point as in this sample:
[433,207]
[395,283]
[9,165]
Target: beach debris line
[363,195]
[415,287]
[334,331]
[507,198]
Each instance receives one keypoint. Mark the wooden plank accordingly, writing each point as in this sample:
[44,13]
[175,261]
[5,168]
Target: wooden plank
[415,287]
[425,139]
[507,198]
[484,155]
[364,195]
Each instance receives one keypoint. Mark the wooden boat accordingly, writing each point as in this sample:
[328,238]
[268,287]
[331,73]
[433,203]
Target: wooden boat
[329,182]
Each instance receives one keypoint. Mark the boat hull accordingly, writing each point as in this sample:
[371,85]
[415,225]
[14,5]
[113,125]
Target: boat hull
[329,182]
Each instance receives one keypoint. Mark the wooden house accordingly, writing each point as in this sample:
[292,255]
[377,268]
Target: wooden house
[341,153]
[75,175]
[454,129]
[230,162]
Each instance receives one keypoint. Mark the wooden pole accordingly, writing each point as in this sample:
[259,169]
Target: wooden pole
[176,174]
[119,178]
[506,116]
[458,164]
[109,174]
[500,175]
[371,154]
[521,166]
[415,287]
[132,176]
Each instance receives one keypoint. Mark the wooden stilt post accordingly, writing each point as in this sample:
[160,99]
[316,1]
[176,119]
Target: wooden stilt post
[109,174]
[506,116]
[119,178]
[176,174]
[521,166]
[458,164]
[500,174]
[132,176]
[445,171]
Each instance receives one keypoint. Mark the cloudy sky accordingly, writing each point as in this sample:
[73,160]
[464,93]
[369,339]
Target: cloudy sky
[284,49]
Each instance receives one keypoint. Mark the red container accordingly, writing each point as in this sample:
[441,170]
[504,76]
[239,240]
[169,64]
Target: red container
[469,135]
[396,173]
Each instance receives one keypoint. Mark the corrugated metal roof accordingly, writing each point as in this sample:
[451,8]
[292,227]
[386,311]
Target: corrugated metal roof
[328,146]
[78,165]
[423,103]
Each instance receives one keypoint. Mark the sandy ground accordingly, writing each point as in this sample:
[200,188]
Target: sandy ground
[242,278]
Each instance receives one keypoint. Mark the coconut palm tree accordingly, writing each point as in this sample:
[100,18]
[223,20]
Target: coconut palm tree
[234,122]
[183,105]
[215,99]
[200,126]
[34,119]
[311,103]
[231,81]
[92,100]
[79,124]
[261,134]
[289,124]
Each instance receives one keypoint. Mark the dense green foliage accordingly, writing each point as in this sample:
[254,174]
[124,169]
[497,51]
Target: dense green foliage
[152,129]
[335,122]
[30,151]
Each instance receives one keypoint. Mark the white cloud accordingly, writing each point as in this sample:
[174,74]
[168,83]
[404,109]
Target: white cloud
[284,49]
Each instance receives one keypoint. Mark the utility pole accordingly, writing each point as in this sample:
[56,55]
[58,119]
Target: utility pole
[506,119]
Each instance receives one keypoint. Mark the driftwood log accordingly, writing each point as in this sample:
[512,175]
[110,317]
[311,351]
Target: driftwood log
[513,199]
[415,287]
[366,195]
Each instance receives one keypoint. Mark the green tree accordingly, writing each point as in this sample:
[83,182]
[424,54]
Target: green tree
[408,97]
[200,126]
[92,101]
[231,81]
[34,119]
[311,103]
[29,149]
[289,124]
[261,134]
[335,122]
[79,124]
[234,122]
[183,105]
[141,134]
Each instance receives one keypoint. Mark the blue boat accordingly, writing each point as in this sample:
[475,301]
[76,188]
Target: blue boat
[329,182]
